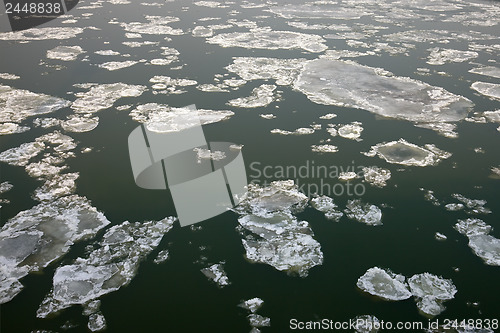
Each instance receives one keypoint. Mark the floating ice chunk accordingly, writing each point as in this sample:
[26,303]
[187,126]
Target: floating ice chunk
[366,324]
[328,116]
[267,116]
[252,304]
[16,104]
[318,11]
[103,96]
[440,237]
[476,206]
[405,153]
[493,116]
[363,212]
[36,237]
[5,187]
[487,248]
[429,196]
[162,256]
[157,25]
[284,71]
[278,196]
[384,284]
[65,53]
[200,31]
[351,131]
[488,71]
[342,83]
[57,186]
[8,76]
[453,207]
[97,322]
[107,52]
[298,131]
[210,4]
[11,128]
[258,320]
[472,227]
[207,154]
[217,274]
[46,122]
[431,291]
[271,40]
[42,33]
[324,148]
[376,176]
[496,170]
[325,205]
[115,65]
[347,175]
[261,96]
[21,155]
[110,266]
[163,118]
[441,56]
[487,89]
[445,129]
[80,124]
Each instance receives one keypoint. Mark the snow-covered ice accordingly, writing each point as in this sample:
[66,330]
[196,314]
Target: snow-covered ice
[363,212]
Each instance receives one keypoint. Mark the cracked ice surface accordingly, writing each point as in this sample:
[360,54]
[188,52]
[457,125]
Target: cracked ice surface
[110,266]
[325,205]
[347,84]
[260,97]
[270,40]
[163,118]
[36,237]
[431,291]
[384,284]
[274,236]
[405,153]
[284,71]
[363,212]
[217,274]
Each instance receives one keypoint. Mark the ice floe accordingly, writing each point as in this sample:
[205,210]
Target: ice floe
[487,71]
[440,237]
[272,235]
[326,148]
[319,11]
[351,131]
[284,71]
[34,238]
[439,56]
[430,292]
[363,212]
[115,65]
[11,128]
[487,89]
[252,304]
[366,324]
[405,153]
[217,274]
[163,118]
[42,33]
[207,154]
[475,206]
[200,31]
[481,242]
[8,76]
[384,284]
[271,40]
[103,96]
[80,124]
[347,84]
[157,25]
[162,256]
[326,205]
[267,116]
[21,155]
[112,264]
[376,176]
[260,97]
[65,53]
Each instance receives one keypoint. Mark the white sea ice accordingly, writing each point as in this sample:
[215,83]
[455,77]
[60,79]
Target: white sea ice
[487,89]
[376,176]
[440,237]
[284,71]
[351,131]
[298,131]
[5,187]
[430,291]
[384,284]
[347,175]
[405,153]
[8,76]
[487,71]
[320,10]
[21,155]
[80,124]
[157,25]
[252,304]
[366,324]
[162,256]
[475,206]
[326,205]
[56,186]
[324,148]
[36,237]
[270,40]
[439,56]
[217,274]
[261,96]
[363,212]
[163,118]
[16,104]
[11,128]
[347,84]
[487,248]
[103,96]
[258,320]
[112,264]
[472,227]
[200,31]
[97,322]
[267,116]
[65,53]
[207,154]
[115,65]
[42,33]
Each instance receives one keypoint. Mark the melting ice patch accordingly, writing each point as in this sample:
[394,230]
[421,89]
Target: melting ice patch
[273,235]
[34,238]
[65,53]
[112,264]
[487,89]
[284,71]
[405,153]
[347,84]
[439,56]
[376,176]
[363,212]
[326,205]
[384,284]
[270,40]
[261,96]
[481,242]
[163,118]
[103,96]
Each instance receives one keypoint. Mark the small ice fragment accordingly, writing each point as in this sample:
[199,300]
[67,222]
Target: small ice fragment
[325,205]
[363,212]
[324,148]
[440,237]
[376,176]
[217,274]
[161,257]
[252,304]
